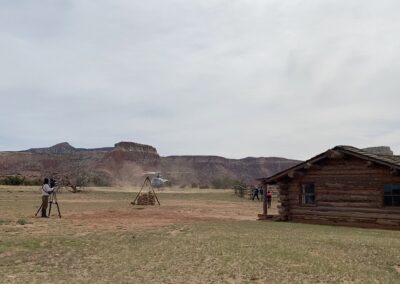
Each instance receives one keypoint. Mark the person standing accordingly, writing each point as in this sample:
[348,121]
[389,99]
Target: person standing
[255,193]
[269,198]
[46,191]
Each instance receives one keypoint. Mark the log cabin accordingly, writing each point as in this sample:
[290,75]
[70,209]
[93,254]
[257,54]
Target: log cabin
[343,186]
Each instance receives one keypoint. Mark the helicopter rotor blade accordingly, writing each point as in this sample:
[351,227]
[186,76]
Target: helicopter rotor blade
[151,173]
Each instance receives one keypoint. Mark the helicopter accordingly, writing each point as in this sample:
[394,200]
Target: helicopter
[158,181]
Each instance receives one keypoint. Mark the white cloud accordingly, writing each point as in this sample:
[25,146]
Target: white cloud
[234,78]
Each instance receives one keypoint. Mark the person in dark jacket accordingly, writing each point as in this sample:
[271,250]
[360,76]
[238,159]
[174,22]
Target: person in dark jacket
[255,193]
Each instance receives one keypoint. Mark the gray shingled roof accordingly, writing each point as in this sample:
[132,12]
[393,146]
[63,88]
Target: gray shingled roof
[390,161]
[383,159]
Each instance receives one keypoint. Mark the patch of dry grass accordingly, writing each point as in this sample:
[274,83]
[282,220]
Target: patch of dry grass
[211,249]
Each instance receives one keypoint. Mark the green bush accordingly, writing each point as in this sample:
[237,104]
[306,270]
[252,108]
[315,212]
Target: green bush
[13,180]
[19,180]
[4,222]
[22,221]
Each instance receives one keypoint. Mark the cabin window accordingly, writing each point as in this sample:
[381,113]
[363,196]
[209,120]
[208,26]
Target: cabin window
[308,194]
[391,195]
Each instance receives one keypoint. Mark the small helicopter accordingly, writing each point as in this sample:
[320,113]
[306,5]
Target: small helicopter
[158,181]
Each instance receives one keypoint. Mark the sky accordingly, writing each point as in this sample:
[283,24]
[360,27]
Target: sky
[233,78]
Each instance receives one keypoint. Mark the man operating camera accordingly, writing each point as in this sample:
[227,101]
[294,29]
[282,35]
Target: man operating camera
[47,189]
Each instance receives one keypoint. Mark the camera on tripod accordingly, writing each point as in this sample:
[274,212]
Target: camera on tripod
[54,185]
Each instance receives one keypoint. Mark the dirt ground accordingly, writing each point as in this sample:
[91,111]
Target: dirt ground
[102,209]
[171,212]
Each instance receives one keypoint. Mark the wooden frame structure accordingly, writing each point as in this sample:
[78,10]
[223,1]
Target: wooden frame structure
[146,184]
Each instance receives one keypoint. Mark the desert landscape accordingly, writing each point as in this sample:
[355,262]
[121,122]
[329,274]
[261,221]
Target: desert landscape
[127,162]
[195,236]
[199,141]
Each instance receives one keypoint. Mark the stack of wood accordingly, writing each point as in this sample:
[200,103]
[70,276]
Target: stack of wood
[146,199]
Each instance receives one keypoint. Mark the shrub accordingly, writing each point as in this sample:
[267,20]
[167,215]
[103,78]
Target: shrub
[225,183]
[22,221]
[13,180]
[16,180]
[194,185]
[19,180]
[4,222]
[100,181]
[33,182]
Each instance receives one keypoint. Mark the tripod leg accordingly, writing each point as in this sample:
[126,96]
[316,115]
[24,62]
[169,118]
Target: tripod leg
[56,203]
[155,195]
[51,202]
[137,196]
[58,208]
[37,212]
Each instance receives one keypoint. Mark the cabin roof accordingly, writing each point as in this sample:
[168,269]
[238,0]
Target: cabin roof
[386,160]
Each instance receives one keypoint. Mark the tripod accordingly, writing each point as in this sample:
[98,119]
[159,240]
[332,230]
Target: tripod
[147,182]
[52,199]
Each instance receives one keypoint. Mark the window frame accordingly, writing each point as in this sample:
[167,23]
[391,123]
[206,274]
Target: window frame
[393,186]
[304,194]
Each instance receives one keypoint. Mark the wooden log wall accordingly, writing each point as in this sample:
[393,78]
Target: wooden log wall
[283,208]
[348,191]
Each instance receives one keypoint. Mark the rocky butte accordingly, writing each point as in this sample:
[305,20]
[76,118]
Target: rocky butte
[126,163]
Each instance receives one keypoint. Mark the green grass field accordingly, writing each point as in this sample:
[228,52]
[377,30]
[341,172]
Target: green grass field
[196,237]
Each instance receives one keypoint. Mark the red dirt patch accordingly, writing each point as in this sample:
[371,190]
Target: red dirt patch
[156,216]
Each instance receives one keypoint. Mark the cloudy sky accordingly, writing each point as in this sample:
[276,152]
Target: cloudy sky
[234,78]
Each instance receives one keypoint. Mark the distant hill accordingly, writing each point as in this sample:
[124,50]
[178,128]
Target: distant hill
[206,169]
[126,162]
[65,148]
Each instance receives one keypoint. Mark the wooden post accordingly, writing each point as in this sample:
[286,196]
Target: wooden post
[264,215]
[265,201]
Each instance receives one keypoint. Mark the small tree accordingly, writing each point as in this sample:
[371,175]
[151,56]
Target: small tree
[76,183]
